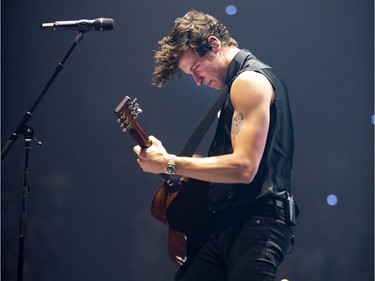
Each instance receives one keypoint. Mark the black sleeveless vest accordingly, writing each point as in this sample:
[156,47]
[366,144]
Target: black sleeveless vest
[273,178]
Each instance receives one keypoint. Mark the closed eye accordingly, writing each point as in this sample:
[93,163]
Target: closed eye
[195,67]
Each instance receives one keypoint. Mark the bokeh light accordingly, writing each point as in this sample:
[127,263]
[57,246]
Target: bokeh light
[332,200]
[231,10]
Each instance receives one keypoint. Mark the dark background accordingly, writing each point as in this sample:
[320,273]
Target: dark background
[89,206]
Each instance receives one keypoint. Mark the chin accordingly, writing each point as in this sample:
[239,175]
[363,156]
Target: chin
[215,85]
[218,87]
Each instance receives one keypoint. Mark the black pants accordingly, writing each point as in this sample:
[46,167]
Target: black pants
[242,247]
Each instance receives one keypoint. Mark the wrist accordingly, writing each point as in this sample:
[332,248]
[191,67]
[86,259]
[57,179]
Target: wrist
[171,169]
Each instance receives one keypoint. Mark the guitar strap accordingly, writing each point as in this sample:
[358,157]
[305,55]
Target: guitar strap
[197,136]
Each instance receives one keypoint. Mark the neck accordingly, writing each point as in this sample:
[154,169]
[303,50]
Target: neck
[230,53]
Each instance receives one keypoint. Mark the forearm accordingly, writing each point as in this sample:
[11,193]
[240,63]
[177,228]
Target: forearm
[237,167]
[221,169]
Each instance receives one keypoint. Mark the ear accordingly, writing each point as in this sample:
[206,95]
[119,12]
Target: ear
[214,43]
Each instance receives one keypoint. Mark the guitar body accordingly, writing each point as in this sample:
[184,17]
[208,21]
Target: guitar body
[183,208]
[162,199]
[177,246]
[188,212]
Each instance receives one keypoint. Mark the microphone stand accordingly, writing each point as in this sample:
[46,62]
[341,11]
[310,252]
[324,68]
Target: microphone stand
[28,134]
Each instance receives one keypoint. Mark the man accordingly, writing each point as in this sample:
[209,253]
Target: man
[249,164]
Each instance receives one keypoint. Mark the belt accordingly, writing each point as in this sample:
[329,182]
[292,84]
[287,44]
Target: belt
[270,207]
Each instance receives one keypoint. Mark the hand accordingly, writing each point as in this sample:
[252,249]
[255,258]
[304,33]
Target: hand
[153,159]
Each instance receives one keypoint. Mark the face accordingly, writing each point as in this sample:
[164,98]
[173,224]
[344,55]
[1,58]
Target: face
[208,70]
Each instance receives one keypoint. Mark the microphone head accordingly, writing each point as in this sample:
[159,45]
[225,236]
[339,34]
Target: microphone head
[103,24]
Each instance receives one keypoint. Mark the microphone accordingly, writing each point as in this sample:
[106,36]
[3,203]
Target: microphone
[99,24]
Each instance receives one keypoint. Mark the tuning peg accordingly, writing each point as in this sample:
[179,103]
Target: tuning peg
[132,103]
[136,111]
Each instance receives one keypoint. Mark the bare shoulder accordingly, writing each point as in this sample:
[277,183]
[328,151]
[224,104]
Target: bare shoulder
[250,89]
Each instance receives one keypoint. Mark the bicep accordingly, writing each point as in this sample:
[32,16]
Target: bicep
[251,96]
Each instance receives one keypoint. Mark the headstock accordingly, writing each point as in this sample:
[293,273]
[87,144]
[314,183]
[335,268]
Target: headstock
[127,112]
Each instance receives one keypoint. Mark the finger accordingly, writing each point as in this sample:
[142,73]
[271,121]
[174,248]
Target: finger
[154,140]
[137,149]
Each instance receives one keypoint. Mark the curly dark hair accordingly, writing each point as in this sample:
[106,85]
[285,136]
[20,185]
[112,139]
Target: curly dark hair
[190,31]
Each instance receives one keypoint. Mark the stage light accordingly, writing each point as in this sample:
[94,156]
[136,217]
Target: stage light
[231,10]
[373,119]
[332,200]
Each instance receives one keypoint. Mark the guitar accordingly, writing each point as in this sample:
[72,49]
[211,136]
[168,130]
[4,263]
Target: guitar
[179,205]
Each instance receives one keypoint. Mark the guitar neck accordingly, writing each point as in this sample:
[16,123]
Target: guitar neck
[139,136]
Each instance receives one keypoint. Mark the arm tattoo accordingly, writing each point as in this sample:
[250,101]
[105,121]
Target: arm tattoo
[236,124]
